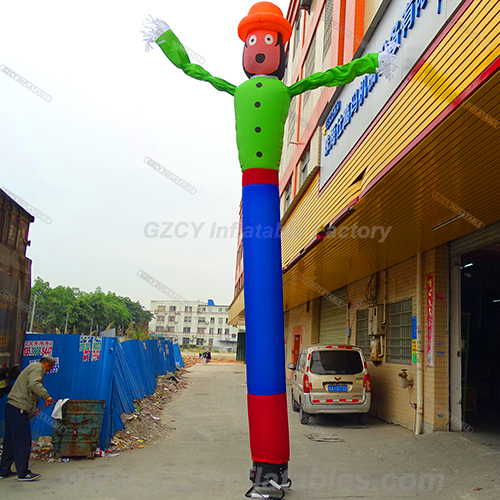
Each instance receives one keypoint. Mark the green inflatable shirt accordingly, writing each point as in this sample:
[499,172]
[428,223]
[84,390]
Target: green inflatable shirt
[261,104]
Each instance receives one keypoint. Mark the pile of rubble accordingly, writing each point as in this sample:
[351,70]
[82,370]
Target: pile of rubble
[145,424]
[42,449]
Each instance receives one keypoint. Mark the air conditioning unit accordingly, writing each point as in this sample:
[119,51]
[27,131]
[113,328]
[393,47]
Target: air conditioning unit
[375,317]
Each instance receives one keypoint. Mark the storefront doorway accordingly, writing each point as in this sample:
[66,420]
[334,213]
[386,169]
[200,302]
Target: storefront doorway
[480,325]
[475,334]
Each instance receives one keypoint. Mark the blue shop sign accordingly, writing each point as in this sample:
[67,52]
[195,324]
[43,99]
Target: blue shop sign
[400,30]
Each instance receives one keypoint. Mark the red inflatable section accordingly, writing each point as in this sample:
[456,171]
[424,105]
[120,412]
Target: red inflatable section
[260,176]
[268,421]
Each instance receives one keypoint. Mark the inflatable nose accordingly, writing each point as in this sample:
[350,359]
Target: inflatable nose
[260,58]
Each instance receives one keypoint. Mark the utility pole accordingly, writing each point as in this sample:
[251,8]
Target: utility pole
[33,312]
[66,325]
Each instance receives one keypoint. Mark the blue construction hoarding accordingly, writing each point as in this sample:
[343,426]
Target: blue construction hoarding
[94,368]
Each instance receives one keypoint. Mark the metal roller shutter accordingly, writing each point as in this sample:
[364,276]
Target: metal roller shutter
[333,318]
[475,240]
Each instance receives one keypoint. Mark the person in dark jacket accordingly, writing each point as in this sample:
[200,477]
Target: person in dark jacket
[21,406]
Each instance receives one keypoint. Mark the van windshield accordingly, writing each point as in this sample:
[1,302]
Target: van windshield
[336,362]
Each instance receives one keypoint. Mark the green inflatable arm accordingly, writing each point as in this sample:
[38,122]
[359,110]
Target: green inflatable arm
[158,31]
[339,75]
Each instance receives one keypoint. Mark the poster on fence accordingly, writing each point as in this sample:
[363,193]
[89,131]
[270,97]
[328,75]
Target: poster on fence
[38,348]
[85,347]
[96,348]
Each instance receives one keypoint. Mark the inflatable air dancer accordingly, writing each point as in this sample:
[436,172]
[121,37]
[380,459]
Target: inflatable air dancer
[261,107]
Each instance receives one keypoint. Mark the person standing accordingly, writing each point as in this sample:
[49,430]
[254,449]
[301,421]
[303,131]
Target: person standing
[21,406]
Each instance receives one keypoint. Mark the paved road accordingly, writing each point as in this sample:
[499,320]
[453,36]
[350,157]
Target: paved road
[208,457]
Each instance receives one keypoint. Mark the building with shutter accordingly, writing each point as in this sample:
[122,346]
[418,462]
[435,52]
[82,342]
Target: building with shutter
[390,204]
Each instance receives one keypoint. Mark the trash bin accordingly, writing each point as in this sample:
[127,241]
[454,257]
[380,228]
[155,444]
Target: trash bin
[77,434]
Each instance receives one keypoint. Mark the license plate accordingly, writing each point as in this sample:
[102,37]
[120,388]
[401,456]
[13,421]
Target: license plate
[337,388]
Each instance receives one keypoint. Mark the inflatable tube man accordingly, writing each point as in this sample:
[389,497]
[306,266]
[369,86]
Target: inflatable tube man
[261,107]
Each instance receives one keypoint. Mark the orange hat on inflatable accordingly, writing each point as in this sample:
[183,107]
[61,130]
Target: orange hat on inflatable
[264,15]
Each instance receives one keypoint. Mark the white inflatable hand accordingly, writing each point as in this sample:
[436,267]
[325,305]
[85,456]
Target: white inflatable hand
[154,29]
[387,60]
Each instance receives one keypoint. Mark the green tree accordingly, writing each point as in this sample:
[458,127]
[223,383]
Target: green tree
[86,311]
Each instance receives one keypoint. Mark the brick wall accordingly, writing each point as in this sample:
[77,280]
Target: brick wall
[390,401]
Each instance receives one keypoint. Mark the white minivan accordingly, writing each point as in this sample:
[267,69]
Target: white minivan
[329,379]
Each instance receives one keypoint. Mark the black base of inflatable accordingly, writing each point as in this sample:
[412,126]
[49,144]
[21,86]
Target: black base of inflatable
[270,476]
[262,473]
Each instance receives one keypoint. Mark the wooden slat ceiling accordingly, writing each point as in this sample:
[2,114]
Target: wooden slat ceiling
[459,159]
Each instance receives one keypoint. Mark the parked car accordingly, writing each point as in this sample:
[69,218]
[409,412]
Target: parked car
[330,380]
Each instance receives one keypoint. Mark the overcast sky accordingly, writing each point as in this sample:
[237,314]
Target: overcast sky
[79,158]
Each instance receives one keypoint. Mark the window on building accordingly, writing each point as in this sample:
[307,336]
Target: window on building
[172,309]
[170,329]
[219,330]
[188,309]
[161,318]
[227,309]
[201,320]
[362,338]
[171,318]
[212,320]
[233,335]
[296,40]
[201,330]
[185,340]
[288,195]
[304,166]
[199,341]
[309,69]
[398,332]
[161,308]
[159,328]
[327,39]
[187,319]
[221,320]
[226,321]
[204,309]
[220,308]
[226,331]
[186,329]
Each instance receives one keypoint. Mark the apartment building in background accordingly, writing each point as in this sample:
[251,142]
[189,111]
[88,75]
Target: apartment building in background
[202,324]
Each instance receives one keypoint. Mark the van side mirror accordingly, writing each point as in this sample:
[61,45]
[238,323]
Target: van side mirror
[291,366]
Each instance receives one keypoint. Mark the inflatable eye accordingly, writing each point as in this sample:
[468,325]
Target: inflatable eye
[252,40]
[269,39]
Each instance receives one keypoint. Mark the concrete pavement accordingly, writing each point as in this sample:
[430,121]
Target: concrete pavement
[208,457]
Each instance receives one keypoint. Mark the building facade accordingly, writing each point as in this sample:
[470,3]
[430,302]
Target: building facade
[390,213]
[194,323]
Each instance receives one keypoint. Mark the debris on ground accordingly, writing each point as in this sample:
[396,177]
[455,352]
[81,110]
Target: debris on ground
[43,449]
[193,358]
[324,438]
[144,425]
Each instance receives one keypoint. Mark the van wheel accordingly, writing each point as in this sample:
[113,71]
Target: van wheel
[363,418]
[303,417]
[295,405]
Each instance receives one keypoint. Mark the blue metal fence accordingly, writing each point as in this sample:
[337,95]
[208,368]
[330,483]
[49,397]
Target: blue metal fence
[105,369]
